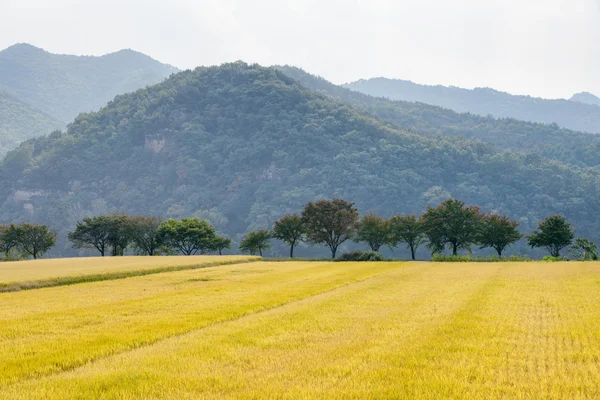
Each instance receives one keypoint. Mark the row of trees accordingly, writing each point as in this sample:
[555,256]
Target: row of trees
[450,226]
[26,239]
[147,235]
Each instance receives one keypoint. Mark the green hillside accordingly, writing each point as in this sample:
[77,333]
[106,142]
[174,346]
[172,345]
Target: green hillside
[19,121]
[548,140]
[485,101]
[65,85]
[240,145]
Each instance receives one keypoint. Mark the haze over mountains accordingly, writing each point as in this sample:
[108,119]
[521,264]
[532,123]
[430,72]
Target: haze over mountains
[240,145]
[53,89]
[582,113]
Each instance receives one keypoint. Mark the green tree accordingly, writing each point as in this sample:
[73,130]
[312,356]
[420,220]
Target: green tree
[144,232]
[451,224]
[289,229]
[330,221]
[584,250]
[407,229]
[497,232]
[8,239]
[188,235]
[256,241]
[219,243]
[554,234]
[373,230]
[119,236]
[34,239]
[94,232]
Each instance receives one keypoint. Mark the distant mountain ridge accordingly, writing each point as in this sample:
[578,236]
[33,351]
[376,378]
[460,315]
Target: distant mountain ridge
[575,115]
[586,98]
[63,86]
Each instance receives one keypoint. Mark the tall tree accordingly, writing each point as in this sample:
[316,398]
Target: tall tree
[34,239]
[256,241]
[144,232]
[373,230]
[289,229]
[554,234]
[94,232]
[188,235]
[451,224]
[330,221]
[497,232]
[407,229]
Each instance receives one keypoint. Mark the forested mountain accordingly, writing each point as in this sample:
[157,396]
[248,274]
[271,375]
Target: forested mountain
[586,98]
[484,101]
[548,140]
[19,121]
[240,145]
[64,85]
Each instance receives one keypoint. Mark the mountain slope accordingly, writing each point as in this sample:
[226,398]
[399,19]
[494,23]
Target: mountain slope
[19,121]
[586,98]
[484,101]
[64,85]
[241,145]
[581,149]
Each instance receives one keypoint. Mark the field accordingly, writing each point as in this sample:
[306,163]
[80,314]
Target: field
[309,330]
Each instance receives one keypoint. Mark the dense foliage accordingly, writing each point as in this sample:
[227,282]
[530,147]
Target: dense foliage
[23,240]
[242,145]
[358,255]
[554,234]
[547,140]
[575,115]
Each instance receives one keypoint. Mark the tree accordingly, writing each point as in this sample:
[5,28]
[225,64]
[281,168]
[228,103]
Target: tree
[451,224]
[119,236]
[219,243]
[373,230]
[289,229]
[330,221]
[407,229]
[188,235]
[8,239]
[497,232]
[584,250]
[144,232]
[554,234]
[92,232]
[256,241]
[34,239]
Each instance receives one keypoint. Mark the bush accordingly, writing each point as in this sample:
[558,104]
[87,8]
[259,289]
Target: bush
[361,256]
[468,258]
[552,259]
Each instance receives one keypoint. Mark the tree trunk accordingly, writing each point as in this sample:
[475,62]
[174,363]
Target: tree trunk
[333,251]
[292,251]
[412,252]
[260,252]
[499,252]
[220,250]
[454,249]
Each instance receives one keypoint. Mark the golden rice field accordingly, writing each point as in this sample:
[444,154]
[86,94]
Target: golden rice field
[310,330]
[52,272]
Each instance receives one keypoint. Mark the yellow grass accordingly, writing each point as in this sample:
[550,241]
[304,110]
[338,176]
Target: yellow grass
[320,330]
[52,272]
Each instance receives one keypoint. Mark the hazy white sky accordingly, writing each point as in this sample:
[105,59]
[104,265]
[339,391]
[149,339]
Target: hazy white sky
[548,48]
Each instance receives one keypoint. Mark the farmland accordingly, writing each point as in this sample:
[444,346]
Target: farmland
[309,330]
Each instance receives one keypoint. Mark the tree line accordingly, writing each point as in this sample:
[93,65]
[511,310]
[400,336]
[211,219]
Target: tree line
[451,226]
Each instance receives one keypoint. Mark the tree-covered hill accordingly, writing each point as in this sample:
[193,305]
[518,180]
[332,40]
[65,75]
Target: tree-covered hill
[241,145]
[548,140]
[64,85]
[485,101]
[19,121]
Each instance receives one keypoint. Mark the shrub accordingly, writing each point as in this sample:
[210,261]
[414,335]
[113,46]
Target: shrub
[361,256]
[552,259]
[468,258]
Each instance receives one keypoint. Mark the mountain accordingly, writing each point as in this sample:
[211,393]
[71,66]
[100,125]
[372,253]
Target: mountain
[19,121]
[484,101]
[548,140]
[62,86]
[586,98]
[241,145]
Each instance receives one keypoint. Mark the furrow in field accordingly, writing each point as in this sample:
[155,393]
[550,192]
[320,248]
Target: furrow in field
[334,344]
[59,336]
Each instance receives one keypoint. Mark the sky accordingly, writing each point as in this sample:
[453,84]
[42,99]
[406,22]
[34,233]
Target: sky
[543,48]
